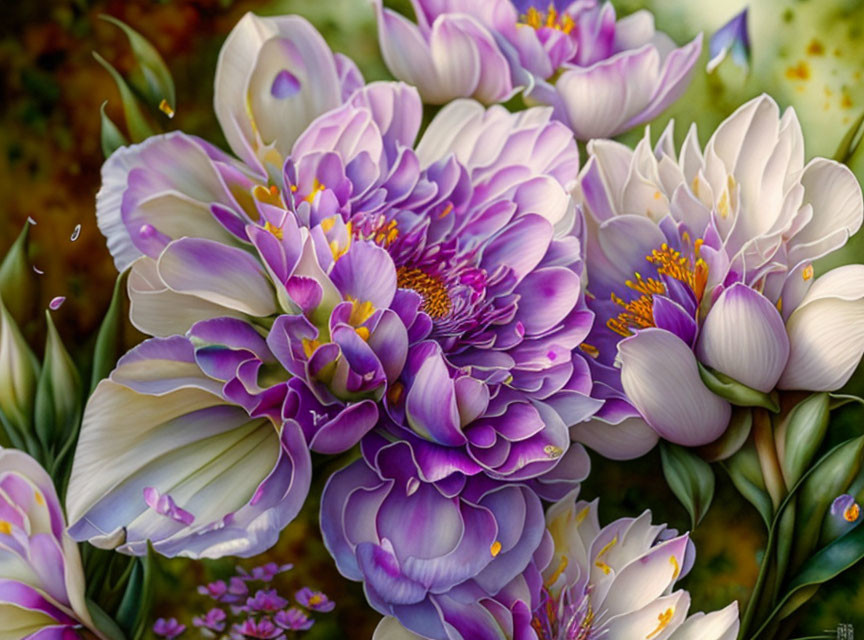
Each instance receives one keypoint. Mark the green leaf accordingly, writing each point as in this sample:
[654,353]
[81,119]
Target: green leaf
[690,478]
[736,434]
[112,137]
[105,352]
[746,474]
[850,142]
[16,281]
[823,566]
[19,372]
[735,392]
[806,426]
[104,622]
[151,75]
[136,122]
[134,609]
[58,395]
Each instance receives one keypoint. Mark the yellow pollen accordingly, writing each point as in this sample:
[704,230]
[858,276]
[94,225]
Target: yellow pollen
[639,312]
[315,599]
[657,195]
[852,512]
[605,568]
[268,196]
[39,499]
[327,224]
[495,549]
[676,570]
[663,621]
[363,332]
[444,213]
[723,205]
[276,231]
[590,349]
[807,273]
[294,188]
[394,394]
[550,19]
[562,566]
[552,451]
[309,346]
[360,312]
[338,251]
[436,301]
[5,527]
[317,188]
[607,547]
[780,304]
[582,515]
[165,108]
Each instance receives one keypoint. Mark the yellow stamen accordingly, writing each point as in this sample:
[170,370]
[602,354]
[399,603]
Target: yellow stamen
[309,346]
[165,108]
[582,514]
[394,393]
[551,19]
[590,349]
[676,570]
[5,527]
[317,188]
[436,301]
[39,499]
[327,223]
[807,273]
[315,599]
[276,231]
[363,332]
[360,312]
[562,566]
[605,568]
[663,621]
[495,549]
[852,512]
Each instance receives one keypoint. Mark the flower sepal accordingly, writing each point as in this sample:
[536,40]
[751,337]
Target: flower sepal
[736,393]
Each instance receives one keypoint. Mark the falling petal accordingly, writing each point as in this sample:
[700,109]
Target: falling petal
[31,221]
[38,270]
[75,233]
[165,108]
[731,37]
[55,302]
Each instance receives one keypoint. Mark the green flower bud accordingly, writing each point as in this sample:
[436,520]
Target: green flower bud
[806,425]
[19,371]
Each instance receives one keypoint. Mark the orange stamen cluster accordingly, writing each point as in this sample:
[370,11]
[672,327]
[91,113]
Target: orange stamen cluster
[639,313]
[550,19]
[436,302]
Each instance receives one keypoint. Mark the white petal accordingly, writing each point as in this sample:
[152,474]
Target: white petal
[660,377]
[390,629]
[632,438]
[826,332]
[718,625]
[743,336]
[656,620]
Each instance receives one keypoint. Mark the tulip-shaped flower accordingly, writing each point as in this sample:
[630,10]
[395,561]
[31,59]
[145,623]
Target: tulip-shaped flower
[41,578]
[706,260]
[602,76]
[589,582]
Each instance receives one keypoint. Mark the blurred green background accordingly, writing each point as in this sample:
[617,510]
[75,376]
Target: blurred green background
[808,54]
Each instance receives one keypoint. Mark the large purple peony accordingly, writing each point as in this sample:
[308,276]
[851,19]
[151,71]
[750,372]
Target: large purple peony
[344,278]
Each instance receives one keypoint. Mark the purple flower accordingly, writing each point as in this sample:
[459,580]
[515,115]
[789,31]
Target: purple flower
[705,259]
[214,620]
[314,600]
[168,629]
[41,579]
[215,590]
[263,629]
[734,37]
[266,601]
[293,620]
[264,573]
[602,76]
[424,550]
[250,468]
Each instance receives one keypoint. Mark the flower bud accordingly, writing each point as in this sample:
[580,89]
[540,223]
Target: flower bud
[16,286]
[19,371]
[843,516]
[805,430]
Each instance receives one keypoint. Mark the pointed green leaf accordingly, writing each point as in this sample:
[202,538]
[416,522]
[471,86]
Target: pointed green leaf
[806,426]
[19,372]
[136,122]
[134,609]
[58,394]
[16,279]
[151,76]
[105,352]
[746,474]
[735,392]
[112,137]
[690,478]
[104,622]
[850,142]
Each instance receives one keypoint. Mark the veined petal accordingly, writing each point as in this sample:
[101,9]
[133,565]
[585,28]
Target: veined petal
[629,439]
[718,625]
[743,336]
[826,332]
[390,629]
[660,377]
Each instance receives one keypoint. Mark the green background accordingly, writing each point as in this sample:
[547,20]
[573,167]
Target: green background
[807,54]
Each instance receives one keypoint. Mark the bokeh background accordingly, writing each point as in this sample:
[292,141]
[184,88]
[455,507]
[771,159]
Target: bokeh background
[808,54]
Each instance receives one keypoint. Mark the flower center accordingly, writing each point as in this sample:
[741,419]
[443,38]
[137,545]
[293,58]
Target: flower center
[436,302]
[564,617]
[639,312]
[549,19]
